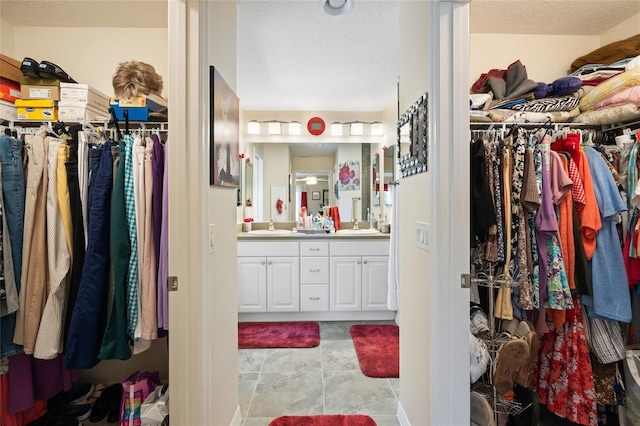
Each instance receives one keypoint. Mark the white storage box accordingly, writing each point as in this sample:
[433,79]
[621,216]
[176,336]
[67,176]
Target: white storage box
[83,95]
[72,111]
[8,111]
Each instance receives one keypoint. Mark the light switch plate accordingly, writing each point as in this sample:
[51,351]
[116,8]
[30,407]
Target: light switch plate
[422,236]
[212,239]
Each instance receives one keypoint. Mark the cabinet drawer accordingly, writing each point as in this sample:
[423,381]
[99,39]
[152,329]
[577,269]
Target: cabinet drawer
[314,248]
[268,248]
[314,297]
[314,270]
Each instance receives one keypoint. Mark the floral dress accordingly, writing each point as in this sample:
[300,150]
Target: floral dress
[563,377]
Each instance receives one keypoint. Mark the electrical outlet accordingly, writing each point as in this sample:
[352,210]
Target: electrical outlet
[422,236]
[212,239]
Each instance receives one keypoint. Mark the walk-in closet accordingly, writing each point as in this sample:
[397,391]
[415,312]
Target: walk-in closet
[553,176]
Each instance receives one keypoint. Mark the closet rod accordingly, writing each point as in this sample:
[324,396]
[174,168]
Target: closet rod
[635,125]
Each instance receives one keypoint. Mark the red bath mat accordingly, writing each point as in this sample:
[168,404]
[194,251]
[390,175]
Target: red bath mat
[324,420]
[258,335]
[378,349]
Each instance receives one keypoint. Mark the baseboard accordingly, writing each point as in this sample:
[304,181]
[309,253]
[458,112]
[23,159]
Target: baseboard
[402,416]
[237,417]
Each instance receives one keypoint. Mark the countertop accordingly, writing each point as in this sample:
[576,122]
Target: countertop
[288,235]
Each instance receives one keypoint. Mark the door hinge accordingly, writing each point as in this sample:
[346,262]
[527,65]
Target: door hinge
[172,283]
[465,280]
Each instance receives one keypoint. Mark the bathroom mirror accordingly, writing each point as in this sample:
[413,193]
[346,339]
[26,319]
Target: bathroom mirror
[248,184]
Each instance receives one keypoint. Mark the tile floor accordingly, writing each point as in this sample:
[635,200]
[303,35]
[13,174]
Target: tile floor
[321,380]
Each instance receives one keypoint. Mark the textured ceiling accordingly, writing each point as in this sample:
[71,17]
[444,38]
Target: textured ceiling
[577,17]
[85,13]
[292,56]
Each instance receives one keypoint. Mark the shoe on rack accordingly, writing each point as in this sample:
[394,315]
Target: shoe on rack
[481,411]
[479,321]
[511,357]
[524,375]
[479,357]
[50,70]
[30,68]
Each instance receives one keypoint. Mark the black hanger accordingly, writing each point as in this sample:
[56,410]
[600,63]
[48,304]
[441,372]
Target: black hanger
[114,122]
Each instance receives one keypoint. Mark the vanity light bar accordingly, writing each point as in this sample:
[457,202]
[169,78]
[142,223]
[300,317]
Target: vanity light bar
[336,129]
[274,127]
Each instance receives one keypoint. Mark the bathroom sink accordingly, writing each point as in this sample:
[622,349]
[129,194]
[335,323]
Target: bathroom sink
[267,232]
[365,231]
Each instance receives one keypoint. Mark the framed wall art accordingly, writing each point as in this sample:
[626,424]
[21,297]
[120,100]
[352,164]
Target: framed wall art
[416,119]
[224,162]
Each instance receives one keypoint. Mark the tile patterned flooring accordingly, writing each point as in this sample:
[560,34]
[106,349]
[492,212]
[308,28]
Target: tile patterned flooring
[321,380]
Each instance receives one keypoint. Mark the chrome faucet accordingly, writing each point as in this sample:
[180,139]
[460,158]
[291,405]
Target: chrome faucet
[355,225]
[271,227]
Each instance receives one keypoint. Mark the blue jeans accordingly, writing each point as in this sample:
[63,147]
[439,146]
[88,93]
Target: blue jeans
[13,192]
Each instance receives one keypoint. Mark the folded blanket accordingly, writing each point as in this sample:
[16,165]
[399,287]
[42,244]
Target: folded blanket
[582,91]
[510,116]
[610,53]
[627,96]
[564,103]
[616,114]
[610,87]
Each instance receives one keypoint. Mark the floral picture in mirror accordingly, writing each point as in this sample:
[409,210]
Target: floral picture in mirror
[349,176]
[418,119]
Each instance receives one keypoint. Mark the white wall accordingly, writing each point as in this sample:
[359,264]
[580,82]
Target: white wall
[626,29]
[91,55]
[219,302]
[7,39]
[413,206]
[488,51]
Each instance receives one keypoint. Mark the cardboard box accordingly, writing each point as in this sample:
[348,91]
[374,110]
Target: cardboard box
[39,81]
[83,95]
[10,68]
[9,90]
[8,111]
[70,111]
[40,92]
[137,108]
[37,109]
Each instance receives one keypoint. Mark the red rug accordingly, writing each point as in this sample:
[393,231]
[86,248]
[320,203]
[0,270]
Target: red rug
[378,349]
[324,420]
[258,335]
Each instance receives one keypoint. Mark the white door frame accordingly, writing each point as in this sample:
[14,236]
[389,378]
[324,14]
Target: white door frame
[449,204]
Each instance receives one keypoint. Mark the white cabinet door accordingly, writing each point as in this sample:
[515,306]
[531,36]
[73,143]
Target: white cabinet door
[345,288]
[252,284]
[374,283]
[283,284]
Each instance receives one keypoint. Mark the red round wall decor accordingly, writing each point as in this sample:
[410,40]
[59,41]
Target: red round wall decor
[316,126]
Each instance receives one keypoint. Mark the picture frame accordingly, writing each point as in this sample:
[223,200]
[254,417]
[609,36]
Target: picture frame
[224,134]
[417,117]
[315,195]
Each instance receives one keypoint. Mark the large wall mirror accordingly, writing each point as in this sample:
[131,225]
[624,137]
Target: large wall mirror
[288,166]
[248,184]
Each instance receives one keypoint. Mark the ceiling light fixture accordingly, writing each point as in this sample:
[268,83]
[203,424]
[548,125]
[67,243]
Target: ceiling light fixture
[274,127]
[311,180]
[377,129]
[294,128]
[336,129]
[337,7]
[253,127]
[356,129]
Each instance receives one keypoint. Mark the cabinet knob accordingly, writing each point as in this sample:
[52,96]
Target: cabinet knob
[262,263]
[365,261]
[314,298]
[314,249]
[269,263]
[359,262]
[314,270]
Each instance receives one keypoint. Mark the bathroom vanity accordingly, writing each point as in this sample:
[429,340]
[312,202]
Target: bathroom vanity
[286,276]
